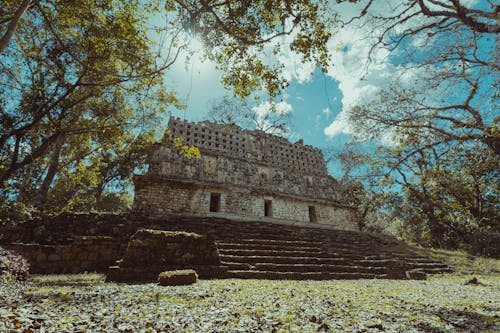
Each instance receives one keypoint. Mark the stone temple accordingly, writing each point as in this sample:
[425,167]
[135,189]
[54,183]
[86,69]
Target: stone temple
[241,174]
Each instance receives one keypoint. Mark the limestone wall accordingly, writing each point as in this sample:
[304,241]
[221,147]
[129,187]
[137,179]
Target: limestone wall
[160,197]
[85,253]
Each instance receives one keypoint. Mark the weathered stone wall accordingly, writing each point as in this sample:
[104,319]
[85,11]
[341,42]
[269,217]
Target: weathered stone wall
[156,197]
[85,253]
[242,173]
[257,146]
[266,162]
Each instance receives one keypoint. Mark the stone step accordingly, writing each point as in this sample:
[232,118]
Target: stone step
[290,253]
[428,265]
[238,266]
[437,270]
[301,251]
[291,242]
[420,260]
[309,258]
[398,256]
[244,262]
[251,259]
[256,246]
[304,268]
[301,240]
[283,244]
[301,275]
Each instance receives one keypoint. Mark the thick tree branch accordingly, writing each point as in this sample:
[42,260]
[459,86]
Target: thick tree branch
[11,27]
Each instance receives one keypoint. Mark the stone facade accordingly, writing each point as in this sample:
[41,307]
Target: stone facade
[85,253]
[240,173]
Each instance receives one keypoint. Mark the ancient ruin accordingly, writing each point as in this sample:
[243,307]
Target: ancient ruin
[241,174]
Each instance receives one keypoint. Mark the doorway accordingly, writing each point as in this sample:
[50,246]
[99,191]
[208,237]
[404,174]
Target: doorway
[268,208]
[312,214]
[215,202]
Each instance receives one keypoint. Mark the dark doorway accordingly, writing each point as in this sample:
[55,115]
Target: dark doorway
[268,208]
[312,214]
[214,202]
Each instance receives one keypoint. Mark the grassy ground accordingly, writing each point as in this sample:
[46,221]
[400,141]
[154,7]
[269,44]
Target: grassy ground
[462,262]
[84,303]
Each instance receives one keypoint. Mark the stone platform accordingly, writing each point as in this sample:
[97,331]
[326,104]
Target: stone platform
[247,249]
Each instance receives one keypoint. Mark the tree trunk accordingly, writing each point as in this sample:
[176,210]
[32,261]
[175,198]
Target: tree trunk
[52,170]
[11,27]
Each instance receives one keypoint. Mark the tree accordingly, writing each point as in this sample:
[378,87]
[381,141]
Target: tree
[79,87]
[452,48]
[270,117]
[234,34]
[439,139]
[80,84]
[11,22]
[449,194]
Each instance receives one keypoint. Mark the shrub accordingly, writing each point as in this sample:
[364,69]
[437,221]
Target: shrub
[12,212]
[13,267]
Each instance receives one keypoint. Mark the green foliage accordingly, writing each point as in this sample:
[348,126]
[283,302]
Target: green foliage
[434,179]
[234,34]
[446,197]
[453,201]
[188,151]
[12,212]
[81,89]
[80,100]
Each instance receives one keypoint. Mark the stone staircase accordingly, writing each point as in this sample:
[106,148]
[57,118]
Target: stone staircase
[264,250]
[264,258]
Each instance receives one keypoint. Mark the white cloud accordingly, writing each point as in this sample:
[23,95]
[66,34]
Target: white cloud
[268,111]
[358,80]
[338,126]
[277,52]
[267,107]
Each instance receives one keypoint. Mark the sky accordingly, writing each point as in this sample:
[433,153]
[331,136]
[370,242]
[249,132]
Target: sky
[318,102]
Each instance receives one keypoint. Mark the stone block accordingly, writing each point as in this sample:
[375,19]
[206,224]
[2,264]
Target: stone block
[41,257]
[177,278]
[53,257]
[149,248]
[416,274]
[150,252]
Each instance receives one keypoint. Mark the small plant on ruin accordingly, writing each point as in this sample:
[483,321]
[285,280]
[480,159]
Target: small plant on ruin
[13,267]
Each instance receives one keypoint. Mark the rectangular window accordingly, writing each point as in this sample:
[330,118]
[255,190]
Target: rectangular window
[312,214]
[215,202]
[268,208]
